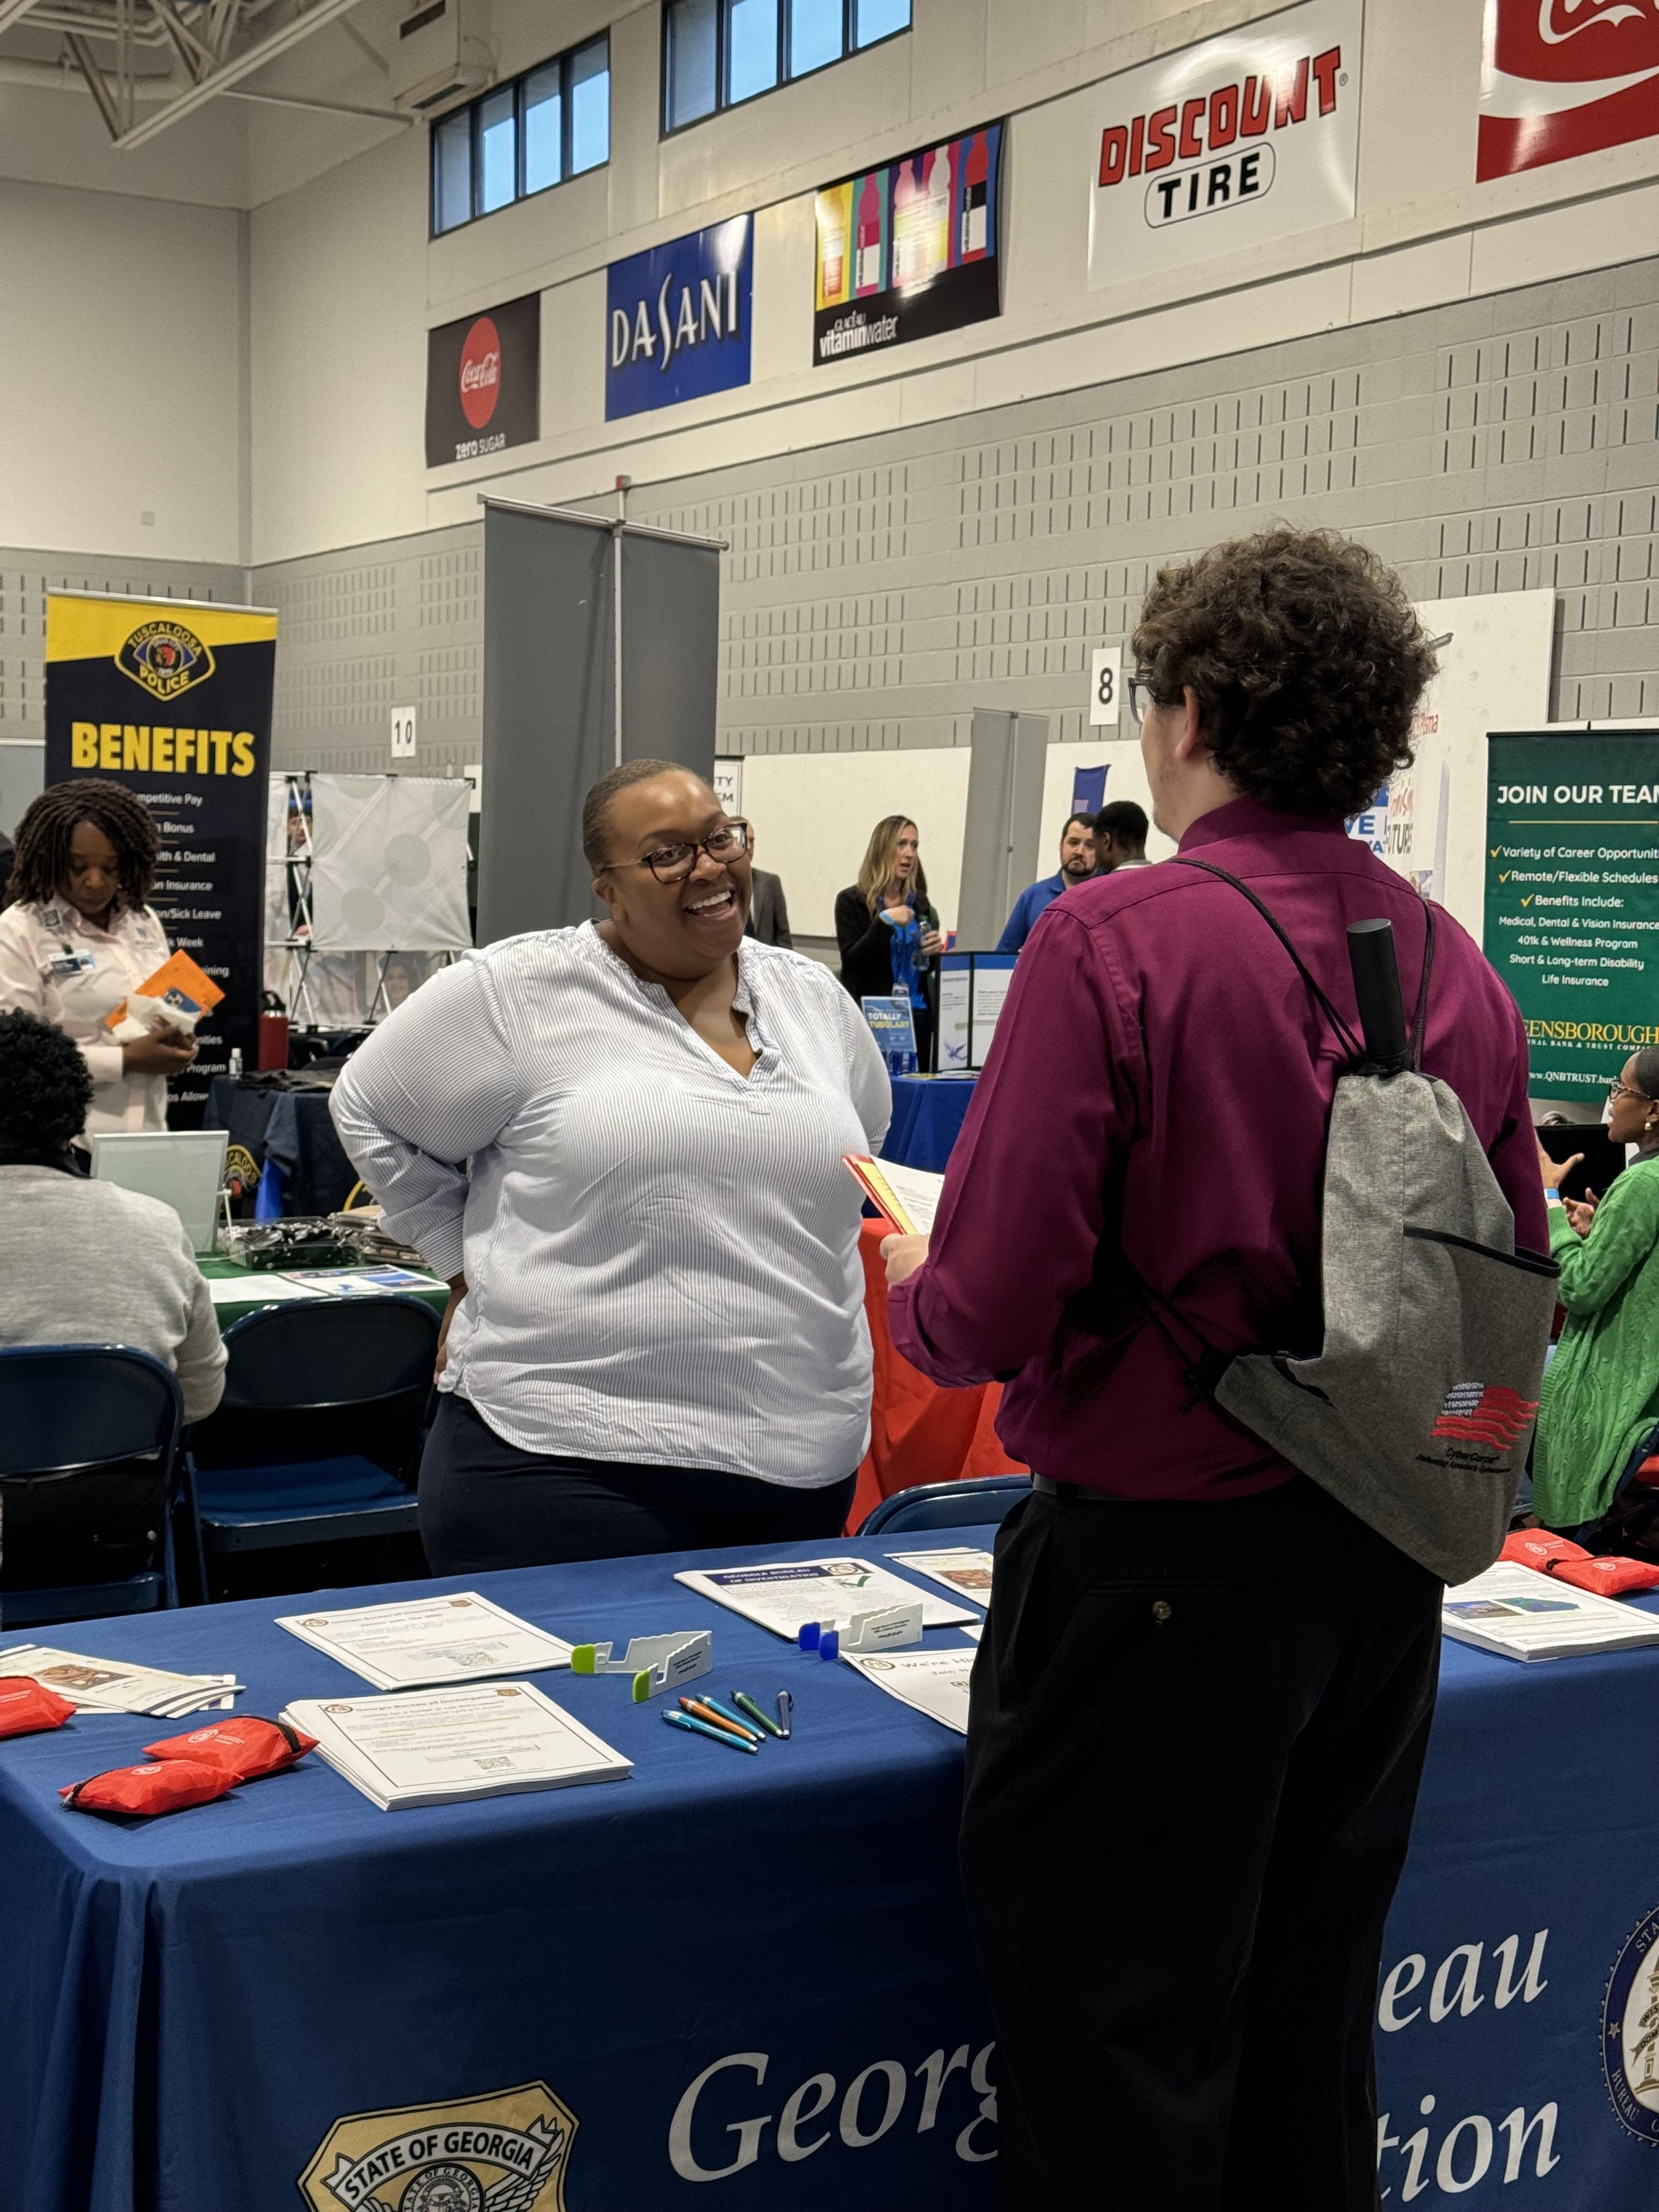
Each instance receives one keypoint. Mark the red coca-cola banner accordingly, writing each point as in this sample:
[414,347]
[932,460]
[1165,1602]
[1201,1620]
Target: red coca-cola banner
[484,382]
[1561,77]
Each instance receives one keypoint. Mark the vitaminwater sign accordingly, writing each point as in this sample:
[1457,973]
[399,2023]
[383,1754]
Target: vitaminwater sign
[1572,899]
[910,249]
[1560,77]
[1247,137]
[171,699]
[678,324]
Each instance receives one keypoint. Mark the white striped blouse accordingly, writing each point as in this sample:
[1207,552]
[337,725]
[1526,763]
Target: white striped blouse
[661,1255]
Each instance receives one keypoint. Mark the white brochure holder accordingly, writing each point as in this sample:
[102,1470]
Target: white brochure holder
[656,1662]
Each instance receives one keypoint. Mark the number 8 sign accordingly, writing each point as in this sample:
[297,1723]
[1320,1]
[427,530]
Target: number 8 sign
[1105,683]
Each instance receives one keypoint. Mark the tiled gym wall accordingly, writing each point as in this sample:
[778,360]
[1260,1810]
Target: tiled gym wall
[876,592]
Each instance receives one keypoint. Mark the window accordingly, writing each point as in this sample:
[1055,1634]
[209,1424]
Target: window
[518,139]
[718,53]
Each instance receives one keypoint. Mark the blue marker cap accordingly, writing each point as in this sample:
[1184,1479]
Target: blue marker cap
[808,1638]
[829,1644]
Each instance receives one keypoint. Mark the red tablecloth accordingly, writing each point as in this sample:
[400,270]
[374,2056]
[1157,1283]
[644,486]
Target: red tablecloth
[918,1433]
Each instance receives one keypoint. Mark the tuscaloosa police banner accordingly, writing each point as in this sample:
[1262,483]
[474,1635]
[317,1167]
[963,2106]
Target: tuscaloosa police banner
[172,698]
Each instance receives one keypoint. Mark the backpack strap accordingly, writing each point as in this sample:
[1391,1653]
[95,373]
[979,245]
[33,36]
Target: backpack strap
[1420,1018]
[1349,1040]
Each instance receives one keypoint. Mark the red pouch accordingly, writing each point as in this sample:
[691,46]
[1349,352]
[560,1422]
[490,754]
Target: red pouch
[164,1788]
[1536,1547]
[244,1748]
[1608,1578]
[26,1707]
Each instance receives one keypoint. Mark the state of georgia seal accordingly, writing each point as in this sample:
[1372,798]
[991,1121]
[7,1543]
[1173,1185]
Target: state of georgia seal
[1629,2031]
[503,2152]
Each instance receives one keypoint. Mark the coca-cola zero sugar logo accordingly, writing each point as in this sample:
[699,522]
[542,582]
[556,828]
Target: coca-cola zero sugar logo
[1561,77]
[481,371]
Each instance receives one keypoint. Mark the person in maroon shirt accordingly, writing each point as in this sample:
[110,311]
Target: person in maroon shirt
[1202,1699]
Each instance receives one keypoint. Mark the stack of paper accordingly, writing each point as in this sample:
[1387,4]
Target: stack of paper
[432,1639]
[118,1685]
[935,1683]
[785,1597]
[909,1197]
[962,1569]
[1522,1614]
[270,1288]
[443,1747]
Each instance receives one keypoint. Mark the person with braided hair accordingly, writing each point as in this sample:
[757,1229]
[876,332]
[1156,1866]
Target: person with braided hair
[77,935]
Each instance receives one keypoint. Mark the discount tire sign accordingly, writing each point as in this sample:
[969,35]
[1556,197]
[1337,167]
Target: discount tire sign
[1247,138]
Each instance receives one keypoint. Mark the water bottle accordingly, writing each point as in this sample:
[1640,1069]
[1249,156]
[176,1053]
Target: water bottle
[234,1069]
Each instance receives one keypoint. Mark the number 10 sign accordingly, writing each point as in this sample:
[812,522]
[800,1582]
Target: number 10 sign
[1105,683]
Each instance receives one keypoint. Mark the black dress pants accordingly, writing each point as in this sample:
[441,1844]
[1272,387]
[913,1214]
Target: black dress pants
[485,1504]
[1196,1737]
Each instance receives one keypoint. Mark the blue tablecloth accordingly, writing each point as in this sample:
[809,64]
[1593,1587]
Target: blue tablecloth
[927,1117]
[723,1959]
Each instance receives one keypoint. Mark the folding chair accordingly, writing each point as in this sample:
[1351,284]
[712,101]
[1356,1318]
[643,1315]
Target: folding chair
[89,1468]
[318,1436]
[976,1502]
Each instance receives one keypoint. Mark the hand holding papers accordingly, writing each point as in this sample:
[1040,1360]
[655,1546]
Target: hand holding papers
[785,1598]
[656,1662]
[1521,1614]
[435,1639]
[175,998]
[444,1747]
[909,1197]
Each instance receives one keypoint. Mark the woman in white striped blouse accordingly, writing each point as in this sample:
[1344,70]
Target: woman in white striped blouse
[623,1143]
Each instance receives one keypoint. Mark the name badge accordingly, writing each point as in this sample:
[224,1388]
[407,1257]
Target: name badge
[72,964]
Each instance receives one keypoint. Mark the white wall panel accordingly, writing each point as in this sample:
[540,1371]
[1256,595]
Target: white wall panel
[121,376]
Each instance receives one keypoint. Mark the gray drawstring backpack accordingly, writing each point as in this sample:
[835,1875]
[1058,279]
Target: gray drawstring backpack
[1417,1412]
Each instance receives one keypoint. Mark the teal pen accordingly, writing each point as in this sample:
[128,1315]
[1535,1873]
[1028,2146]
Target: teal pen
[726,1713]
[742,1698]
[702,1728]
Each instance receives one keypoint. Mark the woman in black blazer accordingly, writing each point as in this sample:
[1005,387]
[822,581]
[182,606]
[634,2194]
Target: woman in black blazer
[886,928]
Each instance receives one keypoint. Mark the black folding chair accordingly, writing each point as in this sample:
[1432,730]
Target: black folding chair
[90,1464]
[318,1436]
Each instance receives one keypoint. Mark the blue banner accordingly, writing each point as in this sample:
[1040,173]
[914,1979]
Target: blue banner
[678,325]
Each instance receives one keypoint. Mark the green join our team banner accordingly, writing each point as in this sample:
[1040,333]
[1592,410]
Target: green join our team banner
[1572,898]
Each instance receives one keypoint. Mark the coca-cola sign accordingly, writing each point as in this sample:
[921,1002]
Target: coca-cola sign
[1561,77]
[483,378]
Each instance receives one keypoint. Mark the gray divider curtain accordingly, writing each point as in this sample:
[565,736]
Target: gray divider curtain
[548,717]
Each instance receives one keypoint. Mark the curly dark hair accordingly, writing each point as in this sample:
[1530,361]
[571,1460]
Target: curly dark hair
[44,1087]
[41,865]
[1307,658]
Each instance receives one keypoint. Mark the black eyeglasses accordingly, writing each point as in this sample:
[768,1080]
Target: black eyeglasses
[1141,698]
[672,863]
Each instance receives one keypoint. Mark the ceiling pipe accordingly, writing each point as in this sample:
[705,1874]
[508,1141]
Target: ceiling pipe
[292,33]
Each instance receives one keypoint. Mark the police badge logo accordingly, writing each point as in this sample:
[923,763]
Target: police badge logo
[1629,2031]
[166,658]
[504,2152]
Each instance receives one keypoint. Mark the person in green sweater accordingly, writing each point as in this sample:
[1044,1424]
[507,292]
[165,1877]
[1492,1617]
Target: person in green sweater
[1601,1393]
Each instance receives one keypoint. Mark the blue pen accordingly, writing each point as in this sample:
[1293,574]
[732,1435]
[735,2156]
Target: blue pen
[726,1713]
[702,1728]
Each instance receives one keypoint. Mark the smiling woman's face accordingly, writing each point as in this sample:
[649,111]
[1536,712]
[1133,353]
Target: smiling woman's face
[678,930]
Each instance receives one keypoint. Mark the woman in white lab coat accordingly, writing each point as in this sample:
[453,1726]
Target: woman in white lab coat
[77,936]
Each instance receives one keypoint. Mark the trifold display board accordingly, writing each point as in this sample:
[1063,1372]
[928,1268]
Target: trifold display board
[171,698]
[972,986]
[557,649]
[1572,898]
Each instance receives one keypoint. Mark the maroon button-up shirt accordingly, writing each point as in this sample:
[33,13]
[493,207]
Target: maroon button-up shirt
[1158,1093]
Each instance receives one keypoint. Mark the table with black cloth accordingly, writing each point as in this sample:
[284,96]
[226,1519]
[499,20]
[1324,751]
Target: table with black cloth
[745,1975]
[928,1111]
[290,1134]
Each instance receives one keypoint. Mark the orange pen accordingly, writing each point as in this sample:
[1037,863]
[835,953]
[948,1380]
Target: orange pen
[702,1712]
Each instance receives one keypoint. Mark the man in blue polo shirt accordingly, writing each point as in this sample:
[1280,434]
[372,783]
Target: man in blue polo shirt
[1077,865]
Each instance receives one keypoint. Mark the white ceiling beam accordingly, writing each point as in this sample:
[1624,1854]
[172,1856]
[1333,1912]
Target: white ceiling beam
[13,12]
[196,56]
[96,82]
[293,34]
[323,106]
